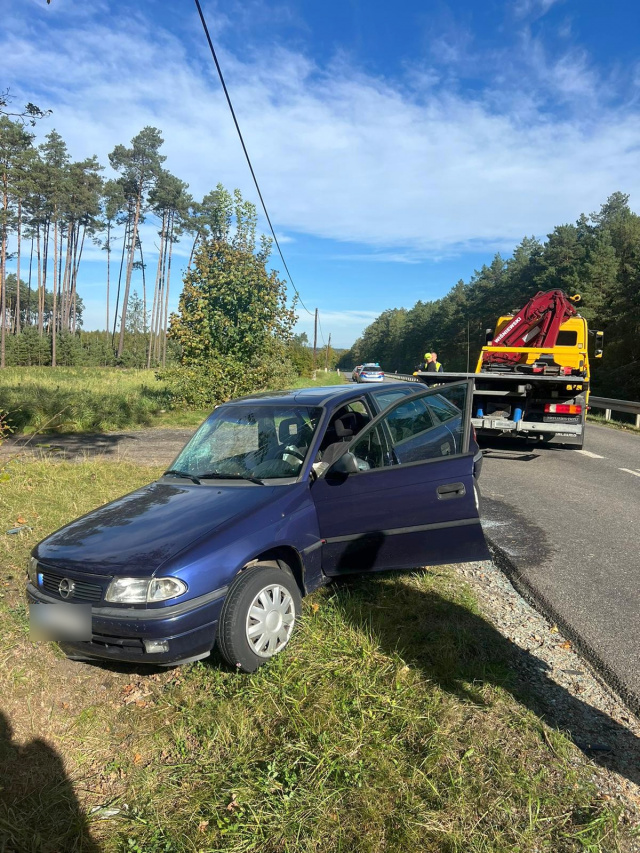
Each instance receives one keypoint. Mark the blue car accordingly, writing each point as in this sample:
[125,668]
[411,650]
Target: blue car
[273,496]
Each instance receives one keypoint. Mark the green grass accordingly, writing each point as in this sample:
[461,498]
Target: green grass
[614,423]
[392,723]
[322,378]
[94,399]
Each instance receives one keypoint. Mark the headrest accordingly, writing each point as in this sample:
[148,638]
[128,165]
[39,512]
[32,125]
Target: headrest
[346,425]
[289,430]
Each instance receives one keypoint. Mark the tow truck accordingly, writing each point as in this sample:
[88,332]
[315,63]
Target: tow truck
[532,377]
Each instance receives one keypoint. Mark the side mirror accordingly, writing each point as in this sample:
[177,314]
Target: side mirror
[347,464]
[599,344]
[488,336]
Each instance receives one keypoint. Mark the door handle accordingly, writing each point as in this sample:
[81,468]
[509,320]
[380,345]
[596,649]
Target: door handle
[451,490]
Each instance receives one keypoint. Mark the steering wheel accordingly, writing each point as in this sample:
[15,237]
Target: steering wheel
[293,456]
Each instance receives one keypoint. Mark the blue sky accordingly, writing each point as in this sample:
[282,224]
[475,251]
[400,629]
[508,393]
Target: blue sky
[398,145]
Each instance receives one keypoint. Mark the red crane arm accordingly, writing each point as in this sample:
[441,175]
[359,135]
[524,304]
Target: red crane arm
[538,323]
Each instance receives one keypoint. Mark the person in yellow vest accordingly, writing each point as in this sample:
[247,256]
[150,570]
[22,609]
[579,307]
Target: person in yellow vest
[431,363]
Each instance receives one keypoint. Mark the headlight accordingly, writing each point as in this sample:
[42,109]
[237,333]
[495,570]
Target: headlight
[32,571]
[142,590]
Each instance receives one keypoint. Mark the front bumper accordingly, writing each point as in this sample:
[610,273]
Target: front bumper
[119,633]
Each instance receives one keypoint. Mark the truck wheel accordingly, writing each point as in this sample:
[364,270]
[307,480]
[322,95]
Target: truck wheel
[258,616]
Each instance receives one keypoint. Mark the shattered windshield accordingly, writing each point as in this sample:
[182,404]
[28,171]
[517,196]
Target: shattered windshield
[250,441]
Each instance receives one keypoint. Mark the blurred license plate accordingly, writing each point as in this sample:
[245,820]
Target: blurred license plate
[59,621]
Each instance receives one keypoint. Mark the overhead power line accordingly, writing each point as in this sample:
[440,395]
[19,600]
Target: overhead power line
[246,153]
[321,334]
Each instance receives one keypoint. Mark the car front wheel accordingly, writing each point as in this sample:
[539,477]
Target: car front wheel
[258,616]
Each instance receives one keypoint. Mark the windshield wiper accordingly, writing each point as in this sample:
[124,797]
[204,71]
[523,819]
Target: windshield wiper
[217,475]
[184,474]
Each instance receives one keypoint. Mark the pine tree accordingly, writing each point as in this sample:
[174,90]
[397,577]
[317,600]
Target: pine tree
[139,167]
[14,141]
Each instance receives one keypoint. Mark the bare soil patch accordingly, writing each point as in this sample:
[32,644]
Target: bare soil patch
[142,447]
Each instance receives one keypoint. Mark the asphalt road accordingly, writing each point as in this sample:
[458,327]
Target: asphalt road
[566,524]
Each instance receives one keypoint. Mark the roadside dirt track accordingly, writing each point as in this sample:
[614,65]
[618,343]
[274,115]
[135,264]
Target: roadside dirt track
[144,447]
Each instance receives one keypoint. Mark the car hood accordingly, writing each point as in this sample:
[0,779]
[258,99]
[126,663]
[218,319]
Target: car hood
[142,530]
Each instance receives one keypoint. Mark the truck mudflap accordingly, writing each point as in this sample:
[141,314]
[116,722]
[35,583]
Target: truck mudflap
[525,427]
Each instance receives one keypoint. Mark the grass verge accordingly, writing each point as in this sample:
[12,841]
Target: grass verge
[390,724]
[613,423]
[322,378]
[95,399]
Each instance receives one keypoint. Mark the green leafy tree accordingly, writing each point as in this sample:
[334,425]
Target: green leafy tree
[234,324]
[300,354]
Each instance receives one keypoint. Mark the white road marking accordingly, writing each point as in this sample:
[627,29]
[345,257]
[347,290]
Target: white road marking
[590,454]
[629,471]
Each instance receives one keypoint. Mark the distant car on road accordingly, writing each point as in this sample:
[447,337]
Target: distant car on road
[371,372]
[274,495]
[355,373]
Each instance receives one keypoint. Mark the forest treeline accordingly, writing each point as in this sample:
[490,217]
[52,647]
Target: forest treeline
[598,257]
[52,208]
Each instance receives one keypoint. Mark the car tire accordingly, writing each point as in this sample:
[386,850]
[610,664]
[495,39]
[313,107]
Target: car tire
[260,587]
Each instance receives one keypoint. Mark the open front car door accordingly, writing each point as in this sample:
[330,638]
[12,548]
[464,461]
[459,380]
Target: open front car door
[401,493]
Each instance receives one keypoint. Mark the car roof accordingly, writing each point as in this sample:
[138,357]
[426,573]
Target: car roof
[315,396]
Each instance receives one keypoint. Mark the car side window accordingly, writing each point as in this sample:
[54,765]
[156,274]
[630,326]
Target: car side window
[409,420]
[418,429]
[359,408]
[442,409]
[370,451]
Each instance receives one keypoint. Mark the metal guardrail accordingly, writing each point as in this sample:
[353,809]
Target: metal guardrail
[610,405]
[405,377]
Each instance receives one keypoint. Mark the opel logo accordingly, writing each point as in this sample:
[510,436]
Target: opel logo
[66,587]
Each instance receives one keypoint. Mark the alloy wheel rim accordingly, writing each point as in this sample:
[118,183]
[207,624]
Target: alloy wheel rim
[270,620]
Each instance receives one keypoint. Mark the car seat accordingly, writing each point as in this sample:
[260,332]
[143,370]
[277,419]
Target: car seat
[289,430]
[345,428]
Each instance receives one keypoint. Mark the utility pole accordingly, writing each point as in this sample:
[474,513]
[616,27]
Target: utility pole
[315,342]
[326,355]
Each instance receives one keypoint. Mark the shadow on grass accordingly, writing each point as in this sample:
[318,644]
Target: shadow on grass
[460,651]
[38,808]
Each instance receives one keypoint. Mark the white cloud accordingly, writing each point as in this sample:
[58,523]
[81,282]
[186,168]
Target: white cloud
[533,8]
[340,155]
[415,169]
